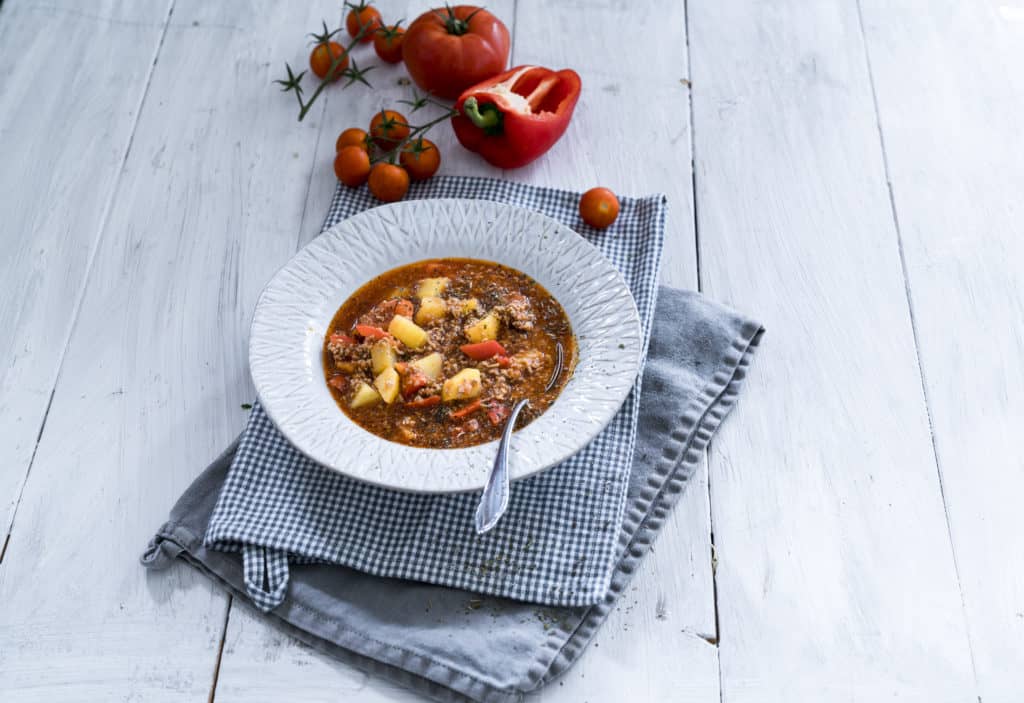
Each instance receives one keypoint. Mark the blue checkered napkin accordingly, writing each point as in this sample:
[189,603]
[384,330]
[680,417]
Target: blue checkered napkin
[556,544]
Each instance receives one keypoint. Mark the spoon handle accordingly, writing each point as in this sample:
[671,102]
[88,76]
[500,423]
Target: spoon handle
[494,501]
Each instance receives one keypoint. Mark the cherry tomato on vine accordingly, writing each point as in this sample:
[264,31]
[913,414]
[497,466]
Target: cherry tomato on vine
[360,16]
[388,182]
[388,128]
[320,60]
[387,42]
[599,207]
[352,166]
[421,158]
[353,136]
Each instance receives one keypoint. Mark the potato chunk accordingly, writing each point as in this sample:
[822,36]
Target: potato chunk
[483,329]
[387,384]
[432,287]
[365,395]
[407,332]
[431,309]
[430,365]
[462,386]
[382,356]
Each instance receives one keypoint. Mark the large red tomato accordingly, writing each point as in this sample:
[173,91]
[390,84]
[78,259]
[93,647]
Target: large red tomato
[448,50]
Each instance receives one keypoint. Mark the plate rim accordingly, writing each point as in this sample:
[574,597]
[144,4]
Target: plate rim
[332,231]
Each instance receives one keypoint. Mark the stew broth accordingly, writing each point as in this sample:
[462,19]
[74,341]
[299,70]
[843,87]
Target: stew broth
[435,353]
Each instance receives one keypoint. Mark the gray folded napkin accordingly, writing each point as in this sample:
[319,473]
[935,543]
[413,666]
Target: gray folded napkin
[452,645]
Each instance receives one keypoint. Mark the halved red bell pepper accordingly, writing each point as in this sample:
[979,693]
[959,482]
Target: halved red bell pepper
[516,116]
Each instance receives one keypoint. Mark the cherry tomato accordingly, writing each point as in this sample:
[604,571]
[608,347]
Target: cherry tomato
[447,51]
[320,60]
[360,16]
[353,136]
[352,166]
[387,42]
[599,207]
[388,182]
[421,159]
[388,128]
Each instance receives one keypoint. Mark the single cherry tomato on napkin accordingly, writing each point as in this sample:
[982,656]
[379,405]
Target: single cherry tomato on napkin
[352,166]
[362,16]
[387,42]
[353,136]
[388,128]
[421,159]
[323,54]
[388,182]
[599,207]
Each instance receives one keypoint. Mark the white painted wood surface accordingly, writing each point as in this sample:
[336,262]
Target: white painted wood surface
[835,574]
[951,116]
[63,138]
[838,576]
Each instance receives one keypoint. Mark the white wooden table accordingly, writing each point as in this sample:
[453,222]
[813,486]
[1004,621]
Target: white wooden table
[856,180]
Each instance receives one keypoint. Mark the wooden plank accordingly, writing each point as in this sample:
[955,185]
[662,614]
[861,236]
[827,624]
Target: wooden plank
[673,594]
[72,83]
[950,96]
[835,572]
[209,205]
[631,133]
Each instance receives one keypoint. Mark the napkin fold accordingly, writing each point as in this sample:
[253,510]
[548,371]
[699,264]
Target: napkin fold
[454,645]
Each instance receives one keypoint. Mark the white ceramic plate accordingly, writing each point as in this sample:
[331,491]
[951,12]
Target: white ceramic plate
[297,306]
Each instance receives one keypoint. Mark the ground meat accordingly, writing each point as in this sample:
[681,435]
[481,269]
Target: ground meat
[516,312]
[380,314]
[525,364]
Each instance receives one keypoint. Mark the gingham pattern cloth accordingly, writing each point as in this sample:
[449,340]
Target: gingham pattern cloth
[556,545]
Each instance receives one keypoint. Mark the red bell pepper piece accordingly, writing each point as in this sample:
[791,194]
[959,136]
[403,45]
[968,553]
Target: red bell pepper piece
[339,338]
[371,332]
[469,409]
[483,350]
[428,402]
[516,116]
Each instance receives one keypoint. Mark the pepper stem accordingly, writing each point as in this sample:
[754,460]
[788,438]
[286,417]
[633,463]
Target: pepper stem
[489,118]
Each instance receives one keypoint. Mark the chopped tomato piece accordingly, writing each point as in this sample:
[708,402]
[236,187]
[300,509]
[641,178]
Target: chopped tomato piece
[497,413]
[404,308]
[469,409]
[412,381]
[503,361]
[428,402]
[483,350]
[339,382]
[339,338]
[371,332]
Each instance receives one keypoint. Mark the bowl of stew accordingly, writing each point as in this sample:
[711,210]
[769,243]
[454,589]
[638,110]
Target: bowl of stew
[392,347]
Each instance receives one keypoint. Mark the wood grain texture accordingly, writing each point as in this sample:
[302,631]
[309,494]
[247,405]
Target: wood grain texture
[207,208]
[64,131]
[672,597]
[835,572]
[950,98]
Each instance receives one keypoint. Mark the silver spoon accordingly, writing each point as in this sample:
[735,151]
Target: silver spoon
[559,360]
[494,501]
